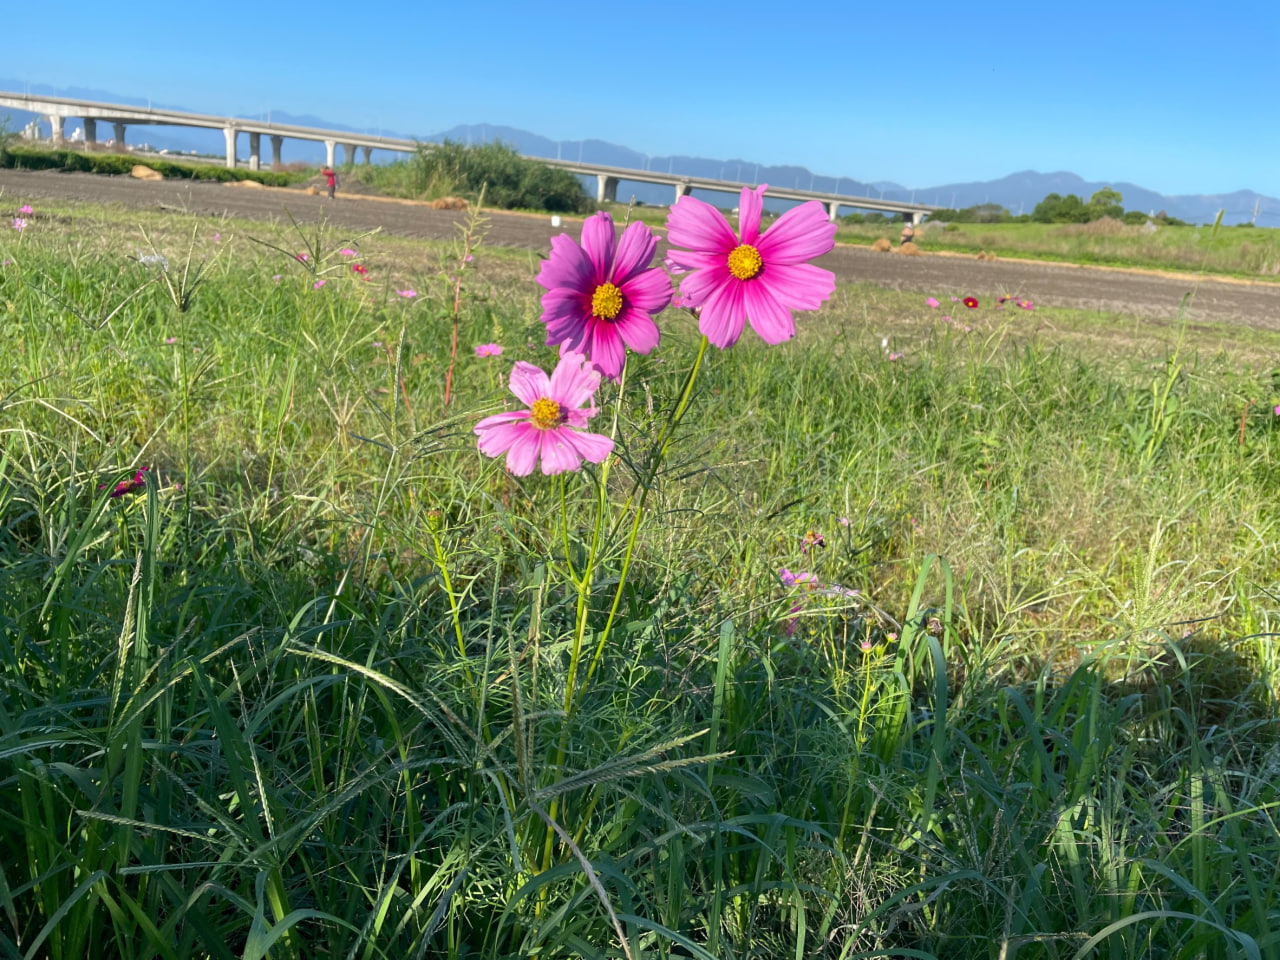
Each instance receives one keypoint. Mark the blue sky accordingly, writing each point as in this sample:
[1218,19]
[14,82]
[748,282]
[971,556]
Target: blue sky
[1178,97]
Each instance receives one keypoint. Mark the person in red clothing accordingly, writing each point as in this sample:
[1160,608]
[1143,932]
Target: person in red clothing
[331,179]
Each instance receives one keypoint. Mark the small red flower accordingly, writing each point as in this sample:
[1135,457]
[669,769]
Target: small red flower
[128,486]
[360,268]
[971,302]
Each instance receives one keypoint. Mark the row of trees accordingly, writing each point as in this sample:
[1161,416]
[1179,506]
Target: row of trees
[1056,208]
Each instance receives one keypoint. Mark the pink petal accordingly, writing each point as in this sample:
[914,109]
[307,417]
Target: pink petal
[529,383]
[637,329]
[682,261]
[497,438]
[559,455]
[768,318]
[635,252]
[524,450]
[698,225]
[498,419]
[565,311]
[607,352]
[649,290]
[723,315]
[800,286]
[800,234]
[573,383]
[594,447]
[568,266]
[750,206]
[598,243]
[701,284]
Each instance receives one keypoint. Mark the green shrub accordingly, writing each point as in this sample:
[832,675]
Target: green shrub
[117,164]
[509,180]
[1135,218]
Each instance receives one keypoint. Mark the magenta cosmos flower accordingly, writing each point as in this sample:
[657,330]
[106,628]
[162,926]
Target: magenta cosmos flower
[602,295]
[750,276]
[489,350]
[552,429]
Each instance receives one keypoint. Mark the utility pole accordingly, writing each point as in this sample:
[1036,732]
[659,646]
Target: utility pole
[1254,221]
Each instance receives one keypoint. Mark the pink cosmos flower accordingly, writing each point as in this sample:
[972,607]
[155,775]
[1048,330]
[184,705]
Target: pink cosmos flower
[749,276]
[489,350]
[896,356]
[25,209]
[170,339]
[302,257]
[19,224]
[931,302]
[317,285]
[361,269]
[602,295]
[346,252]
[552,429]
[407,294]
[946,318]
[790,579]
[1278,409]
[1026,305]
[217,238]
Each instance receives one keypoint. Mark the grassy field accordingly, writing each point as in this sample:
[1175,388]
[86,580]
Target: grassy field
[1234,251]
[327,683]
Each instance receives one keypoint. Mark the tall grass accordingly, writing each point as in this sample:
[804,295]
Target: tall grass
[305,693]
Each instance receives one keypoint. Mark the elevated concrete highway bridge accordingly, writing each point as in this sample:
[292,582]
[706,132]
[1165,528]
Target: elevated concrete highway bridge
[57,110]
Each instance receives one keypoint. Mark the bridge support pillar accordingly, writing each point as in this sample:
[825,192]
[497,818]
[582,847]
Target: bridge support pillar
[349,154]
[367,153]
[916,217]
[229,134]
[255,151]
[90,133]
[329,146]
[277,145]
[833,210]
[57,129]
[606,188]
[682,190]
[117,130]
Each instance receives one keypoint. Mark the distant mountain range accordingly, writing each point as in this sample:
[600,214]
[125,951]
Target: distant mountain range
[1017,192]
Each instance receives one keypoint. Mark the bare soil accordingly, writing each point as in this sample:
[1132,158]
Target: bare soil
[1142,293]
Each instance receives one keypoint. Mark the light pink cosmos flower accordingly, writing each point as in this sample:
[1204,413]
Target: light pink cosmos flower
[896,356]
[19,224]
[407,294]
[489,350]
[318,284]
[217,238]
[552,429]
[25,209]
[602,295]
[302,257]
[347,252]
[170,339]
[750,276]
[931,302]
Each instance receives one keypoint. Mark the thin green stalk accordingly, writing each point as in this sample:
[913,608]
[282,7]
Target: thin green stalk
[664,441]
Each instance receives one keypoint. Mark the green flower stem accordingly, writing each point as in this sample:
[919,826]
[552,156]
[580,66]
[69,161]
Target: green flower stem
[664,441]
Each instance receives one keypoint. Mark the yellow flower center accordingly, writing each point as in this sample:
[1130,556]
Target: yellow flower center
[745,261]
[546,413]
[606,302]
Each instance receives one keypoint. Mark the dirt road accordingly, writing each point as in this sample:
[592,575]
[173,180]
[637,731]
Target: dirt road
[1087,288]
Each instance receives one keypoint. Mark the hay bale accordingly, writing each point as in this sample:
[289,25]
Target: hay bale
[312,191]
[449,203]
[909,248]
[983,255]
[882,245]
[250,184]
[141,172]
